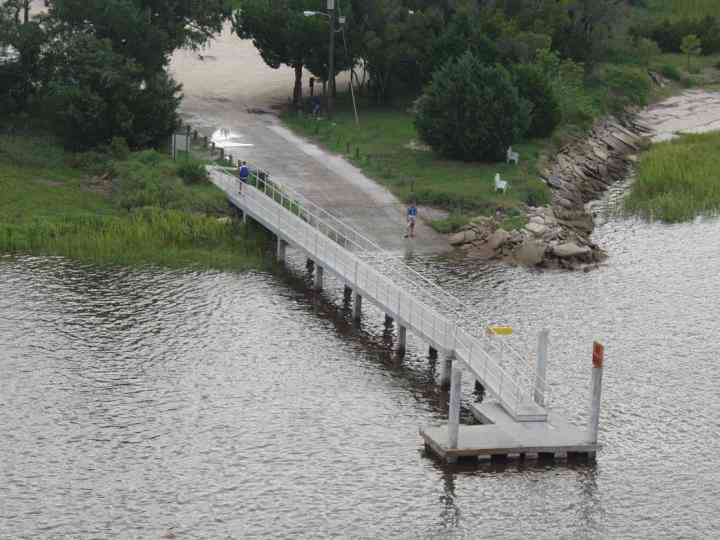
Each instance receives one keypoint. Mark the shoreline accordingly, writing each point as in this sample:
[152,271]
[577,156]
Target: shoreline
[559,235]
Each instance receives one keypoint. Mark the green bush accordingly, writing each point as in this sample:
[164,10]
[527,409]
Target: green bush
[118,148]
[471,111]
[93,161]
[193,172]
[450,224]
[567,79]
[535,193]
[670,71]
[534,86]
[625,86]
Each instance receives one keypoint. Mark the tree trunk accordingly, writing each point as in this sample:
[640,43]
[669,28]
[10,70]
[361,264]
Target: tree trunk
[27,11]
[297,91]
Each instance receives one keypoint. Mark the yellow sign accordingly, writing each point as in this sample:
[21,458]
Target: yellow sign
[500,330]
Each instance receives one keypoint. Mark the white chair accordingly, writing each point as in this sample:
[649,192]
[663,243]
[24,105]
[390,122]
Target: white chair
[512,157]
[500,184]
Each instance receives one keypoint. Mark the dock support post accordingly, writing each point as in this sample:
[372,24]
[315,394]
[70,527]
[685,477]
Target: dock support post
[357,308]
[595,393]
[388,320]
[347,293]
[454,414]
[402,339]
[309,265]
[432,353]
[318,277]
[541,367]
[446,367]
[281,248]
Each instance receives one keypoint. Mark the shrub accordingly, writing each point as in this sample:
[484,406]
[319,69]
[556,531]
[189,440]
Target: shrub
[567,79]
[118,148]
[471,111]
[670,71]
[535,193]
[192,172]
[534,86]
[149,157]
[625,86]
[92,161]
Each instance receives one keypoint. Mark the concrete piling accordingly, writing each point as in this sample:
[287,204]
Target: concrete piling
[402,338]
[445,371]
[281,249]
[432,353]
[454,414]
[388,321]
[318,277]
[357,308]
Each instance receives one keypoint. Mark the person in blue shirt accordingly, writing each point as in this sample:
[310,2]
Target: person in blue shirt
[244,174]
[411,218]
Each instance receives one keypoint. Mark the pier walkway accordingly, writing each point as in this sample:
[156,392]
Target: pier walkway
[518,397]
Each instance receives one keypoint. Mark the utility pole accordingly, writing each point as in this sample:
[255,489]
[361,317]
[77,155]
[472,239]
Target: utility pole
[331,62]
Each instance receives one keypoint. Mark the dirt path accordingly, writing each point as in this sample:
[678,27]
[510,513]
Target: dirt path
[230,94]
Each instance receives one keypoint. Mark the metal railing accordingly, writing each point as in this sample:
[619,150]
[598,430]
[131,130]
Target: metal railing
[341,249]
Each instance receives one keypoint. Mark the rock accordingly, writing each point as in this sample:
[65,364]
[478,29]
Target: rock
[498,238]
[463,237]
[571,249]
[530,253]
[536,229]
[224,220]
[537,219]
[457,238]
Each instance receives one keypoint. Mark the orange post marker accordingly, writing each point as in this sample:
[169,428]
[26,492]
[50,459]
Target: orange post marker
[598,355]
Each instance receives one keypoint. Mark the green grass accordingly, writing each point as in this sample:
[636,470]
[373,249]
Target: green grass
[380,146]
[144,215]
[678,180]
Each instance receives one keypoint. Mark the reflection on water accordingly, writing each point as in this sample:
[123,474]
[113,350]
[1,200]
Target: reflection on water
[240,405]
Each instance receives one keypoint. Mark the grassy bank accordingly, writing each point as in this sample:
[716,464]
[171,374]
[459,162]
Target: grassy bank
[678,180]
[385,146]
[131,210]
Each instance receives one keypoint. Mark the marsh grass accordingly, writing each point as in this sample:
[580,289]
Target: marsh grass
[678,180]
[144,213]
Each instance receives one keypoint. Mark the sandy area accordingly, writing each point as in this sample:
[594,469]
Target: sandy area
[693,111]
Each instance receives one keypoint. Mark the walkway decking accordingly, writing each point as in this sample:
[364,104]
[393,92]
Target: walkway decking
[520,419]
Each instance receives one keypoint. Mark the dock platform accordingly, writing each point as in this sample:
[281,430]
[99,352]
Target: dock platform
[501,436]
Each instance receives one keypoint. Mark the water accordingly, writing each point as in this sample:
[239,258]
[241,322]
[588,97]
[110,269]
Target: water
[218,405]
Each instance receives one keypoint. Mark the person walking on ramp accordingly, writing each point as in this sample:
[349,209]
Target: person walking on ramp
[244,174]
[411,219]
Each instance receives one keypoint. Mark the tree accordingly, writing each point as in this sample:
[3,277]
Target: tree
[147,31]
[472,111]
[19,77]
[647,49]
[283,34]
[690,47]
[95,94]
[588,29]
[533,85]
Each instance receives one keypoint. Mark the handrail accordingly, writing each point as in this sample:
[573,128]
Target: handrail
[311,232]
